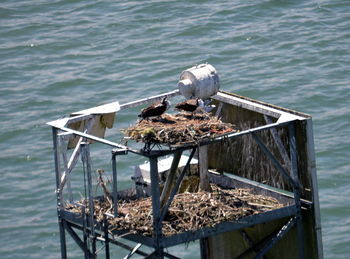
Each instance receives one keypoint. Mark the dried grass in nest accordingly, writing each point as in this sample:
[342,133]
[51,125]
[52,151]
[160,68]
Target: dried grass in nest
[178,129]
[188,211]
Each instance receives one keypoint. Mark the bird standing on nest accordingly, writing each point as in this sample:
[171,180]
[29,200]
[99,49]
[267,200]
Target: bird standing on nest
[190,105]
[156,109]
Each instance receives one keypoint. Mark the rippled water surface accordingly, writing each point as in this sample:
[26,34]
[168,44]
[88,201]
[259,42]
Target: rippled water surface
[58,57]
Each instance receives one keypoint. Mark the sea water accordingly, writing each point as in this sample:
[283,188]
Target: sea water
[62,56]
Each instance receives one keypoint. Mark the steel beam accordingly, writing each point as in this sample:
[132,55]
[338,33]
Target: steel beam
[77,240]
[276,238]
[297,192]
[85,232]
[59,194]
[105,235]
[115,152]
[85,157]
[315,196]
[157,224]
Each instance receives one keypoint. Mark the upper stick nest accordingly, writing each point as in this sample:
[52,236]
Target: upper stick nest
[182,128]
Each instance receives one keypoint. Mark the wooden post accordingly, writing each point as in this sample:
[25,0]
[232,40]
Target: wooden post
[157,225]
[204,184]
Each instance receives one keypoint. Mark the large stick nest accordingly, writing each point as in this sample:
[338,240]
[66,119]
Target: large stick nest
[188,211]
[182,128]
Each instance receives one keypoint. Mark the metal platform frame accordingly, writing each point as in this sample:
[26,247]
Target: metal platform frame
[93,231]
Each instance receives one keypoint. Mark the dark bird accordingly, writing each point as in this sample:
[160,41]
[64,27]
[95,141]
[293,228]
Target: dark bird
[155,109]
[189,105]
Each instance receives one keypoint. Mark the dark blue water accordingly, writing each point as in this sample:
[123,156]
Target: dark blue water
[57,57]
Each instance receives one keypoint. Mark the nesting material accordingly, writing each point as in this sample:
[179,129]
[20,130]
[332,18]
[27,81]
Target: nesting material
[188,211]
[182,128]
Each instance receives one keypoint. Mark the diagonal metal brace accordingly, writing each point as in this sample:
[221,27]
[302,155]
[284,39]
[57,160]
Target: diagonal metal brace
[68,167]
[278,141]
[133,251]
[176,187]
[277,237]
[274,161]
[77,239]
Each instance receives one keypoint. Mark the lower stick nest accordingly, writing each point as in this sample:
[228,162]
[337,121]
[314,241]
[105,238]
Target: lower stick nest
[181,128]
[188,211]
